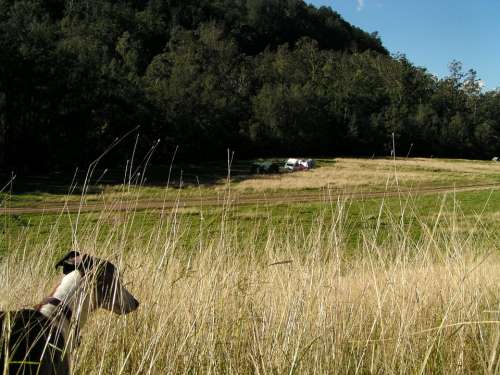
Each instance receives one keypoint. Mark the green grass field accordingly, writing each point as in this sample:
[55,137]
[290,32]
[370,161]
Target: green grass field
[200,181]
[404,283]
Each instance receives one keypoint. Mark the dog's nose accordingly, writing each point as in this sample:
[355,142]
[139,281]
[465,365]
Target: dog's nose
[131,305]
[135,304]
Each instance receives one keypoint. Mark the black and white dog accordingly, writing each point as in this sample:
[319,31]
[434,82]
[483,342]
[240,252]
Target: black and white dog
[40,341]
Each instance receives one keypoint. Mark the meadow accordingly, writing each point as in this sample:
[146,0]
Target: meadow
[399,283]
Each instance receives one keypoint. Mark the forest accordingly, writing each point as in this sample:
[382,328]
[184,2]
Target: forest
[260,77]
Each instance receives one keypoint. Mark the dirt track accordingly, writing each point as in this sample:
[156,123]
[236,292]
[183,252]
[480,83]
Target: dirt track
[235,199]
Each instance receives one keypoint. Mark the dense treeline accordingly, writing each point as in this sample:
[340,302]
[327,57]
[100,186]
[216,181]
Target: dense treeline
[263,77]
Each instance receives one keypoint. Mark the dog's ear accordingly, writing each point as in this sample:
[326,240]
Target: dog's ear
[71,261]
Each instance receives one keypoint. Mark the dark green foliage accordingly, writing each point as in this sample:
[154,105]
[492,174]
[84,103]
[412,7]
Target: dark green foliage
[262,77]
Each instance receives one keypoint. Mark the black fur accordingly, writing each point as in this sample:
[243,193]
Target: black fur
[73,260]
[32,345]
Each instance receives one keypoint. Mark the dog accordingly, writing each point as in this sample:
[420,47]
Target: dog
[40,340]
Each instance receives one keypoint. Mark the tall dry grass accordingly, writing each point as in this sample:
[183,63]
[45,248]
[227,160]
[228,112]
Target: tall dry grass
[292,298]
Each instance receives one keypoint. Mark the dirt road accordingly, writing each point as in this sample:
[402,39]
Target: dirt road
[235,199]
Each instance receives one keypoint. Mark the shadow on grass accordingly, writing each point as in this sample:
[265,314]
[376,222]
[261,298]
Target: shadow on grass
[180,176]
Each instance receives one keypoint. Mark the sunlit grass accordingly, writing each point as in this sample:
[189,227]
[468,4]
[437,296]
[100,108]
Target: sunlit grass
[402,285]
[336,175]
[372,174]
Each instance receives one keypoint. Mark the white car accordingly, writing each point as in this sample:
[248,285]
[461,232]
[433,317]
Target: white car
[299,164]
[292,164]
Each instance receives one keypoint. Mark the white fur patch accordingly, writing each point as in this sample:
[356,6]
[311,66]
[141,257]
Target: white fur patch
[64,291]
[69,284]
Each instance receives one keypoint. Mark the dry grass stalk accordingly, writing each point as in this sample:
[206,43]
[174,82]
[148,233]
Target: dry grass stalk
[399,304]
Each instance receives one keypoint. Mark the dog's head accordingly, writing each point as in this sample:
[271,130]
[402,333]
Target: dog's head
[110,293]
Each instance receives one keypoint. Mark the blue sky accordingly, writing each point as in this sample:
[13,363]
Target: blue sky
[433,33]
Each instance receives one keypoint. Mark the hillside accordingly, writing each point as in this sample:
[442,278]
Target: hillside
[261,77]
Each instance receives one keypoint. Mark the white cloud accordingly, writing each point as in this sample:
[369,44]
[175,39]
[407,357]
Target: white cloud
[361,5]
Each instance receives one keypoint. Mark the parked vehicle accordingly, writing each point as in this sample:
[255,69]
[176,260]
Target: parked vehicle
[292,165]
[266,167]
[299,164]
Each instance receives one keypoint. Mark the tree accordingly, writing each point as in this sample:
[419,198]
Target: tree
[259,76]
[197,89]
